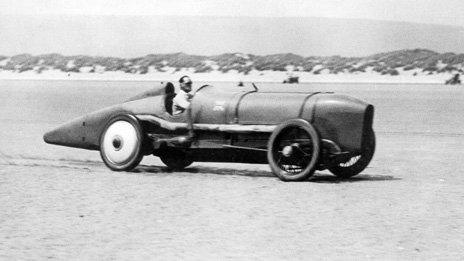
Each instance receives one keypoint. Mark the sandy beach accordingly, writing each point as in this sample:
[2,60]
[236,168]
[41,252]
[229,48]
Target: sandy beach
[408,76]
[63,203]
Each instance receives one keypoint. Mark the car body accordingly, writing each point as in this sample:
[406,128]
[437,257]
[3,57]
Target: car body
[296,132]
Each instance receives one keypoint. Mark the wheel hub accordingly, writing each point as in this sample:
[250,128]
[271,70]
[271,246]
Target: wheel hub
[117,142]
[290,150]
[287,151]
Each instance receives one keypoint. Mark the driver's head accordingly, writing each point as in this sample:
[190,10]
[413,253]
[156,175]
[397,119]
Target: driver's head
[185,83]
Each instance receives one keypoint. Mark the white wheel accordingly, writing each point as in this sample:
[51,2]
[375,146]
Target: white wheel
[121,143]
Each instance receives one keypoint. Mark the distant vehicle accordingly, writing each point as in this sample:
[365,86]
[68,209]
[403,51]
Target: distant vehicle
[296,133]
[292,79]
[454,80]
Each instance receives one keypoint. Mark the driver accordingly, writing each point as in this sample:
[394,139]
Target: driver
[182,100]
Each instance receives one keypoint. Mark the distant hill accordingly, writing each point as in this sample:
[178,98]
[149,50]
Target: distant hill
[134,36]
[417,61]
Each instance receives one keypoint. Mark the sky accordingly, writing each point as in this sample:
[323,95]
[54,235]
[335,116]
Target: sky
[136,28]
[449,12]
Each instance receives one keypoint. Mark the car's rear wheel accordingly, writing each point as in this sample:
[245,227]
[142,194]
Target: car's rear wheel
[121,143]
[293,150]
[175,158]
[358,163]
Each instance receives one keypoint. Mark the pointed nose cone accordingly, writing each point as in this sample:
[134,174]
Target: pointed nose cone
[71,134]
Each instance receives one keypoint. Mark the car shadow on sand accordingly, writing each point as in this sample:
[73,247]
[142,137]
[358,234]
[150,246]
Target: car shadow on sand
[328,178]
[204,170]
[318,177]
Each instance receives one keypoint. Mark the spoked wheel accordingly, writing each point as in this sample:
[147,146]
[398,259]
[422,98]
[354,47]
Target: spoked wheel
[358,163]
[293,150]
[175,159]
[121,143]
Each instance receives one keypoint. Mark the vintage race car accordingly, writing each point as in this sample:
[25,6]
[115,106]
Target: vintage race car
[296,133]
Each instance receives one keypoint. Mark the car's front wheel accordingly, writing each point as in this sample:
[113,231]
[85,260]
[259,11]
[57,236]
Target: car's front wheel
[121,143]
[358,163]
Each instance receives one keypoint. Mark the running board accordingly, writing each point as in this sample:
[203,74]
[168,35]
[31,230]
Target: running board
[230,128]
[243,148]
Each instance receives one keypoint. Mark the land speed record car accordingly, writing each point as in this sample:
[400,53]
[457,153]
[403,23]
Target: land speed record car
[296,133]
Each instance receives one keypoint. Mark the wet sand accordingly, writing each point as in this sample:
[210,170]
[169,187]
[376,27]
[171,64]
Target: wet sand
[63,203]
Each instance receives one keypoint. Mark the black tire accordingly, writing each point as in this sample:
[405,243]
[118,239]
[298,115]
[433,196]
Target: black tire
[121,143]
[358,163]
[293,150]
[175,159]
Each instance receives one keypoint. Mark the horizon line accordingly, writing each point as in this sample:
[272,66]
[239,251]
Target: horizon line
[181,52]
[232,16]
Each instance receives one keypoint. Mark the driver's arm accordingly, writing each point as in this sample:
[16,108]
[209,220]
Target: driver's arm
[181,101]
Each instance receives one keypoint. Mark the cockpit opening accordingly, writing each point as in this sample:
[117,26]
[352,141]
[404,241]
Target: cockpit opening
[170,93]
